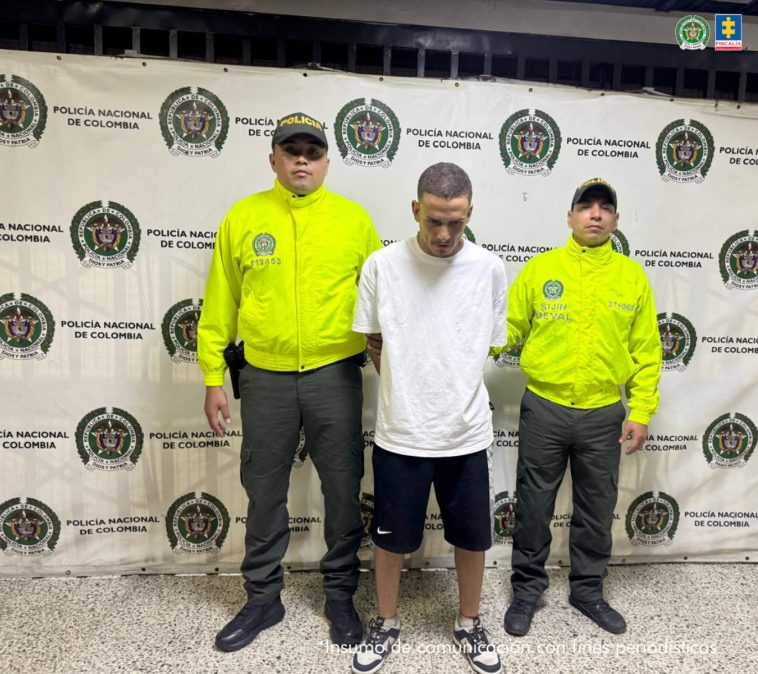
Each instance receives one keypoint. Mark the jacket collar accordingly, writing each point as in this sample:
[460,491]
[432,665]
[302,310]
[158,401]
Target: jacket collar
[597,255]
[296,201]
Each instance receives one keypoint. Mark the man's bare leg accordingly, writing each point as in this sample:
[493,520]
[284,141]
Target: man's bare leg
[387,568]
[469,566]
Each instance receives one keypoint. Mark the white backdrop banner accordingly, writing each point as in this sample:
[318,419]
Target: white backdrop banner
[116,175]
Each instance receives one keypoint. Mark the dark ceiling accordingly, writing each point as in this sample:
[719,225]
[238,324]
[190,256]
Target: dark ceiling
[749,7]
[134,29]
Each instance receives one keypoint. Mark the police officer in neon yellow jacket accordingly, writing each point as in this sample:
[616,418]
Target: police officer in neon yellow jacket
[284,278]
[588,322]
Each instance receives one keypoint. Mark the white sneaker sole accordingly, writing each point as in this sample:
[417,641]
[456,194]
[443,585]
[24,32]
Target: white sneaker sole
[477,669]
[378,665]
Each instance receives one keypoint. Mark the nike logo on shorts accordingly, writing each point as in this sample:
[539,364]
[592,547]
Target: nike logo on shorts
[379,531]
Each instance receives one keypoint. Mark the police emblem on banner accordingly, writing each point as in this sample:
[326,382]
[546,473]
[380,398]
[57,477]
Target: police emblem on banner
[23,112]
[367,517]
[197,522]
[505,517]
[26,327]
[652,519]
[468,235]
[179,328]
[510,358]
[194,122]
[530,142]
[28,527]
[619,242]
[367,133]
[105,234]
[109,440]
[692,32]
[729,441]
[738,261]
[301,451]
[678,341]
[684,152]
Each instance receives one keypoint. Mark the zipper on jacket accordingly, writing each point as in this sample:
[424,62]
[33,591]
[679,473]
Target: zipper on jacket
[297,294]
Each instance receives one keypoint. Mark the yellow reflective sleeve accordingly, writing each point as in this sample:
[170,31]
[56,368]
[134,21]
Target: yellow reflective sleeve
[645,350]
[520,309]
[218,319]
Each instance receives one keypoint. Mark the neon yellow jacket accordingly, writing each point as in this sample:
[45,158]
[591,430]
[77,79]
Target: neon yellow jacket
[588,321]
[284,276]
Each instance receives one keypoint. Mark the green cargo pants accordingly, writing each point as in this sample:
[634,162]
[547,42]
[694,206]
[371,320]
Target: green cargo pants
[551,435]
[327,403]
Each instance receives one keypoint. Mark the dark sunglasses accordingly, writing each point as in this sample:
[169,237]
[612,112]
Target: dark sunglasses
[310,152]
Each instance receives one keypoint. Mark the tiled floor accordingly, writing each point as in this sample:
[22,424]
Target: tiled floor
[683,619]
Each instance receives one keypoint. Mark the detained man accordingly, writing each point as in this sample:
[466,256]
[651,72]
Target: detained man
[434,292]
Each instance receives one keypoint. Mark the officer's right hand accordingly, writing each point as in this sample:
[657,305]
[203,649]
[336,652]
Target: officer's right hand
[215,403]
[635,433]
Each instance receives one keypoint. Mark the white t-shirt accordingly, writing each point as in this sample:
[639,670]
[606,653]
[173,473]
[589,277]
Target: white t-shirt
[438,318]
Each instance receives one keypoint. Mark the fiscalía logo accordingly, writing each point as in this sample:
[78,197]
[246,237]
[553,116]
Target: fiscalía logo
[728,32]
[109,440]
[194,122]
[28,527]
[692,32]
[105,234]
[26,327]
[197,522]
[23,112]
[301,451]
[367,133]
[264,244]
[367,517]
[179,327]
[510,358]
[678,341]
[684,151]
[652,519]
[738,261]
[530,142]
[729,441]
[619,242]
[552,290]
[505,517]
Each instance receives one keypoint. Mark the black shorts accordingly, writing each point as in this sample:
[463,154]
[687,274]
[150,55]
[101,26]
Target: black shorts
[401,493]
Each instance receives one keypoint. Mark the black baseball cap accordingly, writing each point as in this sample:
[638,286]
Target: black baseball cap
[298,123]
[595,184]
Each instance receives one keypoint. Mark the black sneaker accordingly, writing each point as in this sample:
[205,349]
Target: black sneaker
[378,643]
[476,646]
[518,617]
[346,628]
[601,612]
[248,623]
